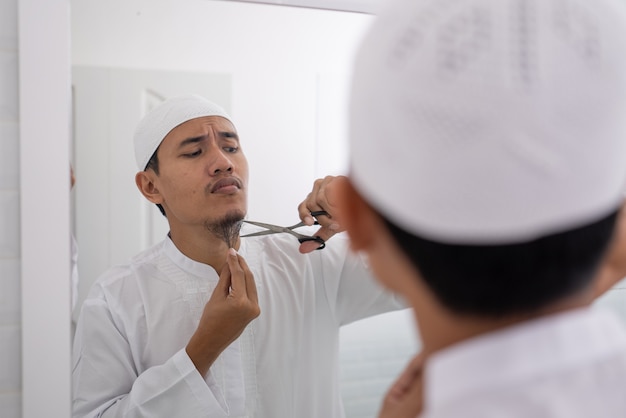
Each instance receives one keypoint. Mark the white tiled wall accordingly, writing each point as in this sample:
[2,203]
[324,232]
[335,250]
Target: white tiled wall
[373,352]
[10,326]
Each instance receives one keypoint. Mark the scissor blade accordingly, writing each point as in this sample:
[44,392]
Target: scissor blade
[259,233]
[273,228]
[298,225]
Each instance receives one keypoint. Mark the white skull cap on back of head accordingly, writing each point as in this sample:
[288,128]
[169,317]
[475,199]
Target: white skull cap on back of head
[491,121]
[154,126]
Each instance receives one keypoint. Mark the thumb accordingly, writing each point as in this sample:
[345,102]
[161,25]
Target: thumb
[325,233]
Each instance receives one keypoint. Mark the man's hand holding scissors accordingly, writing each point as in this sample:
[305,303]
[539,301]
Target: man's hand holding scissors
[320,200]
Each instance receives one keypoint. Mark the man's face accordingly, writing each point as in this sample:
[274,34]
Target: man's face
[203,173]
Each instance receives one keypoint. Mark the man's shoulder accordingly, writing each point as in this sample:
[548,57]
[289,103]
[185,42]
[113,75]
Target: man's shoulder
[146,259]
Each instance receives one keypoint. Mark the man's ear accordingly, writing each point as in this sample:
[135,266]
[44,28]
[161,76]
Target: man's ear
[356,216]
[145,184]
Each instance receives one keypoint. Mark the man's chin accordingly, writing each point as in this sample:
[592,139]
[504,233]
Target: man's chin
[227,227]
[233,216]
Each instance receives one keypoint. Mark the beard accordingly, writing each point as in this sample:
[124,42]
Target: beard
[227,228]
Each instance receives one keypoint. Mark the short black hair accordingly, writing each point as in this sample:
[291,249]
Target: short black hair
[500,280]
[153,163]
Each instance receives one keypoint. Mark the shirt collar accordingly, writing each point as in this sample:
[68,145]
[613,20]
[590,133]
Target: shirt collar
[541,346]
[187,264]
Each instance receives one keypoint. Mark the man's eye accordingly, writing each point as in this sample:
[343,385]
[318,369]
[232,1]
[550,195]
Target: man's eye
[231,149]
[193,154]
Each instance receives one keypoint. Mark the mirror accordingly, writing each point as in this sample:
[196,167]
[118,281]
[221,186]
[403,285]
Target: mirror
[283,75]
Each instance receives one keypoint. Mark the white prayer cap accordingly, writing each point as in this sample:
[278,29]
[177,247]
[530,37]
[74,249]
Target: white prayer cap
[154,126]
[491,121]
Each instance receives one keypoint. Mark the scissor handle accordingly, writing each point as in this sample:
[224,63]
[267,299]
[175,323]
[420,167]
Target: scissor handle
[316,239]
[317,213]
[319,240]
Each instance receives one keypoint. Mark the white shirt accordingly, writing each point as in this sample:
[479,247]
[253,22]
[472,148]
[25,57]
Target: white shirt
[568,365]
[129,356]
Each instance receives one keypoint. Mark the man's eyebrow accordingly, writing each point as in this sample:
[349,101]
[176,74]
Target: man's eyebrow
[193,140]
[196,139]
[229,134]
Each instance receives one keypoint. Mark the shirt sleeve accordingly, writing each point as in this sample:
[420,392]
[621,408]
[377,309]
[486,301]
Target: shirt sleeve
[351,288]
[106,382]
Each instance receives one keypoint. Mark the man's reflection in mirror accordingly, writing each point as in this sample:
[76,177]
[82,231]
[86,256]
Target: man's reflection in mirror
[204,323]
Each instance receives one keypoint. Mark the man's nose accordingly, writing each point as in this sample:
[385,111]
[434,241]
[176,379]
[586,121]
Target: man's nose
[220,163]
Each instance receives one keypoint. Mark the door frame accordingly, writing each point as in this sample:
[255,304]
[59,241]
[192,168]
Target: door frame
[45,130]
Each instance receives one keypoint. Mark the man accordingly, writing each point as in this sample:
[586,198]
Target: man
[487,169]
[206,324]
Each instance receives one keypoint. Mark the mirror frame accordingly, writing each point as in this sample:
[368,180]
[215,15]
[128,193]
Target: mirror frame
[45,129]
[357,6]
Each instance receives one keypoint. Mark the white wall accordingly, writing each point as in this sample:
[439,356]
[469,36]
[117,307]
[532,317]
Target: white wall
[10,326]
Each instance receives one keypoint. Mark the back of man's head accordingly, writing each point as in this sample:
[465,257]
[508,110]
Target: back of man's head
[491,137]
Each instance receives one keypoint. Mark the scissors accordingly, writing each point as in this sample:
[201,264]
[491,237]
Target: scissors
[275,229]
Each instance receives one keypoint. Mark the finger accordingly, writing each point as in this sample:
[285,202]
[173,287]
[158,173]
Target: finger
[408,377]
[224,282]
[322,198]
[412,400]
[327,199]
[415,367]
[408,406]
[309,204]
[336,195]
[238,281]
[325,219]
[249,279]
[318,201]
[325,233]
[312,203]
[405,398]
[308,247]
[304,213]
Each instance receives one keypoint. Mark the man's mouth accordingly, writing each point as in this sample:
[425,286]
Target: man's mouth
[226,185]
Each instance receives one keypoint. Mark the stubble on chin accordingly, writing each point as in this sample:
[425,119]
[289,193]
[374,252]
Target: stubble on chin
[228,227]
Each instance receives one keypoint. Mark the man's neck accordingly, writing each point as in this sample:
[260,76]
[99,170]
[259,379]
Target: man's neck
[204,246]
[444,330]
